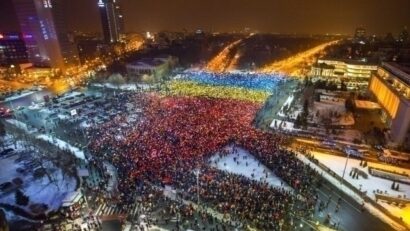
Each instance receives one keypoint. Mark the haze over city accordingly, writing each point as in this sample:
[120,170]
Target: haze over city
[277,16]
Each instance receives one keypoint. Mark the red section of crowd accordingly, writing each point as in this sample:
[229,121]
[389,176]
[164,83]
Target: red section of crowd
[181,129]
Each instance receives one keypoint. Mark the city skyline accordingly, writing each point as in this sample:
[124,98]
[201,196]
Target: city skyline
[44,29]
[317,17]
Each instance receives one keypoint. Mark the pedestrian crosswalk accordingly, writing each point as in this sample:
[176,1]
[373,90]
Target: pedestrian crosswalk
[109,210]
[135,210]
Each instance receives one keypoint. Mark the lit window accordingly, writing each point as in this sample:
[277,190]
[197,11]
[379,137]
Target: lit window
[47,4]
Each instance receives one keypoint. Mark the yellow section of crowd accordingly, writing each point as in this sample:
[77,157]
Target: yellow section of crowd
[190,88]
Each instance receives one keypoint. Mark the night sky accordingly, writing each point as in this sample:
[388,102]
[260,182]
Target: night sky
[280,16]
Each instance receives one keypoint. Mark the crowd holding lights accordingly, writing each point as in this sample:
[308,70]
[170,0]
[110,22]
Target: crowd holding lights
[250,80]
[177,134]
[191,88]
[247,86]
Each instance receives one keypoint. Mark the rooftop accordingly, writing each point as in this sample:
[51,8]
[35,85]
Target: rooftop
[401,71]
[405,67]
[350,61]
[364,104]
[152,62]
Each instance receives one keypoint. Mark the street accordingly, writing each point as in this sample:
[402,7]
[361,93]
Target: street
[350,216]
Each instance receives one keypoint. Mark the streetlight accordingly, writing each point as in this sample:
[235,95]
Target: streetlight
[197,172]
[344,170]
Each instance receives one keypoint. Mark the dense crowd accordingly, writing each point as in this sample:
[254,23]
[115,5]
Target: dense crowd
[246,200]
[195,89]
[256,81]
[176,135]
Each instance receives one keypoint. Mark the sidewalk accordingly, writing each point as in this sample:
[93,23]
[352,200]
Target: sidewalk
[219,216]
[353,194]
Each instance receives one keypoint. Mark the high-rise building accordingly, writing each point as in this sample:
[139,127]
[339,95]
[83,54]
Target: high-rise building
[120,17]
[391,87]
[404,35]
[12,49]
[111,20]
[42,23]
[360,35]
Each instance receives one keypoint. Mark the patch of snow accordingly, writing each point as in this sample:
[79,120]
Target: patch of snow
[63,145]
[8,169]
[253,170]
[283,125]
[337,163]
[18,96]
[127,87]
[50,193]
[10,216]
[84,124]
[373,210]
[63,117]
[288,102]
[326,107]
[18,124]
[113,181]
[39,190]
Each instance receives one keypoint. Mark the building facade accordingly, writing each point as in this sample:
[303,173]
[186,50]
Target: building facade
[391,87]
[355,74]
[12,49]
[154,69]
[43,27]
[112,20]
[360,35]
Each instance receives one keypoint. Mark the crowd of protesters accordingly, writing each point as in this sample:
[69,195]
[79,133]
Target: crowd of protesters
[176,135]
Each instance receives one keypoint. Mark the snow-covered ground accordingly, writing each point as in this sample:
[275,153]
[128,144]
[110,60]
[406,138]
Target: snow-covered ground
[288,102]
[337,163]
[324,108]
[59,143]
[126,87]
[283,125]
[19,124]
[248,166]
[113,181]
[39,190]
[85,124]
[63,145]
[18,96]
